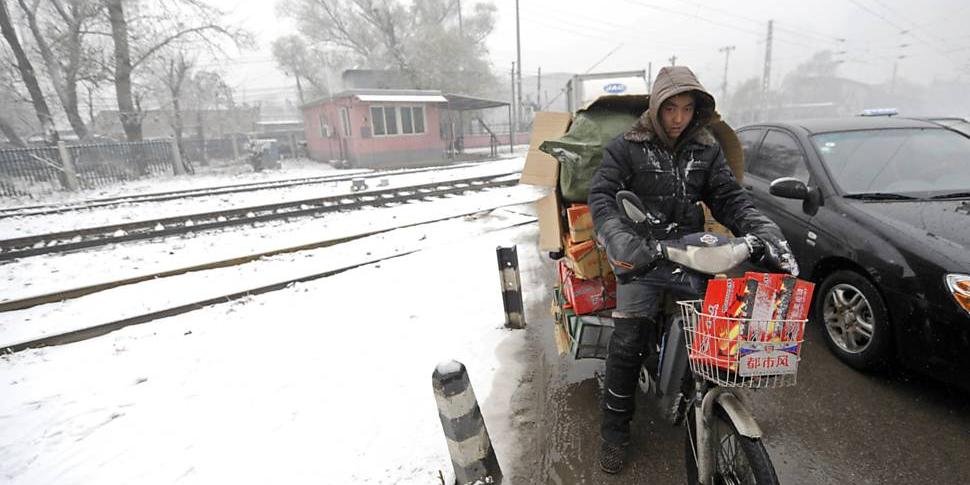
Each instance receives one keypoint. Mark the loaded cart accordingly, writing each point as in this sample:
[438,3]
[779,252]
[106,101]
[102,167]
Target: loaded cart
[565,151]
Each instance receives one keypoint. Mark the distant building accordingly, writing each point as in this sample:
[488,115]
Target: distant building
[214,123]
[279,126]
[396,127]
[372,128]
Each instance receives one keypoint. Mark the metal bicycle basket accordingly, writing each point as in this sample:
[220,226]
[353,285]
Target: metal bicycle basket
[742,352]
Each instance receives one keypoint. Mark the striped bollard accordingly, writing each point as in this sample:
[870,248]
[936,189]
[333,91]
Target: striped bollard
[472,455]
[508,266]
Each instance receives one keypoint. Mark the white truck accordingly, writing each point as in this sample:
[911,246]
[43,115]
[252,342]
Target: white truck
[584,88]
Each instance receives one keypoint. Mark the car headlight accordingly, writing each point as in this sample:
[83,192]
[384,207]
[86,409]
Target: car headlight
[959,285]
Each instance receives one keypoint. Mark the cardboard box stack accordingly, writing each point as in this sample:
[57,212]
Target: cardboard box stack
[586,290]
[586,287]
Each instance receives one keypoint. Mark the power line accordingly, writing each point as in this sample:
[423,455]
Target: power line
[901,29]
[711,21]
[801,32]
[609,31]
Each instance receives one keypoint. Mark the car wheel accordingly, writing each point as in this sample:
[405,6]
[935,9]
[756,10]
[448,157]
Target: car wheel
[854,319]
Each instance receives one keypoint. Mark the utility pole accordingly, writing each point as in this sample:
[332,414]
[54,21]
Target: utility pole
[727,54]
[539,88]
[673,60]
[650,77]
[766,77]
[518,62]
[892,85]
[513,124]
[461,32]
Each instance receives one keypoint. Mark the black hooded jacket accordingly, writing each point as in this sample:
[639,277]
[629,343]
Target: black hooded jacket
[671,178]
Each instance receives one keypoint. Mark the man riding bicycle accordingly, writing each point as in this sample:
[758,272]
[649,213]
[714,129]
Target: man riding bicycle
[670,159]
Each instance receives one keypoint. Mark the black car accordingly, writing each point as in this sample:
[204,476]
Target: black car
[877,211]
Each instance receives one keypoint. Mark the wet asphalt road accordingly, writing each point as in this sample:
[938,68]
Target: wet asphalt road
[837,426]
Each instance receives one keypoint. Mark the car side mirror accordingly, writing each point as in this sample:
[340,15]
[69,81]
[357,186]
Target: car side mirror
[789,188]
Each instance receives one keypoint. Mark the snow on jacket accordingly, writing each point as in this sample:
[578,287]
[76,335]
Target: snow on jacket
[672,178]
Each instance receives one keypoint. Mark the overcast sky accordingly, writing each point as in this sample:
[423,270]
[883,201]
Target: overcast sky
[573,36]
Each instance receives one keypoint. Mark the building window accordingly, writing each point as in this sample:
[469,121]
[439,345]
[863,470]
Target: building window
[324,127]
[345,120]
[418,114]
[377,120]
[391,120]
[412,120]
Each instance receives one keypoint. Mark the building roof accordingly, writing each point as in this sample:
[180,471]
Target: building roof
[402,98]
[456,102]
[385,95]
[461,102]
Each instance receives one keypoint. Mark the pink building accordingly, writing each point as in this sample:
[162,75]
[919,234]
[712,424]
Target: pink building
[388,127]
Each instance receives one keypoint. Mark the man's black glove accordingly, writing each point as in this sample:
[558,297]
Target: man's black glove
[777,254]
[630,254]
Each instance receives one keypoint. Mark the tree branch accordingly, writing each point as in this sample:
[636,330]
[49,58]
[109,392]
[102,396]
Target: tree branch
[176,36]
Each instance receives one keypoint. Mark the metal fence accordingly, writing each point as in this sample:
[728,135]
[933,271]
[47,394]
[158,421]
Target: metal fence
[28,171]
[38,170]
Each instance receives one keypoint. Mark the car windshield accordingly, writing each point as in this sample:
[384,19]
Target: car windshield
[898,160]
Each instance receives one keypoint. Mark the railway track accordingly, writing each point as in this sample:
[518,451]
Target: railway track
[47,209]
[97,236]
[84,332]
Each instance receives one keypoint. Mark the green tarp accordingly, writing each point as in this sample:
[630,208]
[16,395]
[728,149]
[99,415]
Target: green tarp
[580,150]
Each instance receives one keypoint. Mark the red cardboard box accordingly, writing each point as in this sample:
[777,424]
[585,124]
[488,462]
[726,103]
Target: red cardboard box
[580,223]
[727,303]
[791,302]
[587,296]
[587,260]
[763,327]
[801,303]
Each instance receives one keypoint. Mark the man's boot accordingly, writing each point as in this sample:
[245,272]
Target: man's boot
[612,457]
[626,352]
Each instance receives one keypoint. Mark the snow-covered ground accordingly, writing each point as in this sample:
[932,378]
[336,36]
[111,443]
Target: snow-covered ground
[221,173]
[22,226]
[45,274]
[323,382]
[162,293]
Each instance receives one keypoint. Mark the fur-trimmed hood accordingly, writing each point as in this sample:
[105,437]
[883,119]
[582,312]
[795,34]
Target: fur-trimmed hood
[643,131]
[671,81]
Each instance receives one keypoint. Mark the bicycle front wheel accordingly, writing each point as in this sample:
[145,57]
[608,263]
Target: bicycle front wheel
[738,460]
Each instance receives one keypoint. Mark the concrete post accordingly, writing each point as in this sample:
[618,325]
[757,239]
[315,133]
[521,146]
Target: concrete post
[292,140]
[472,455]
[508,266]
[70,174]
[235,148]
[177,158]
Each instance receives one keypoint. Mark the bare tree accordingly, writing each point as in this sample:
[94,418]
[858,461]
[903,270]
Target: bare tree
[58,36]
[423,39]
[17,115]
[6,127]
[173,71]
[27,73]
[296,59]
[207,90]
[172,23]
[130,117]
